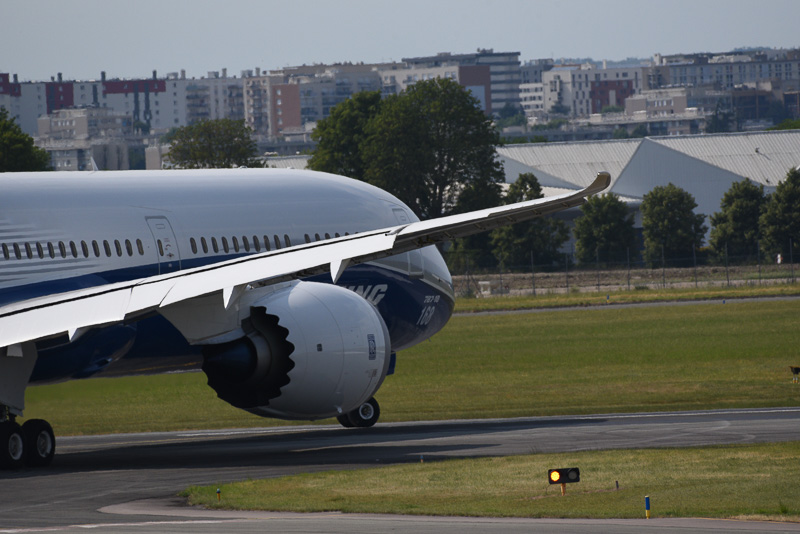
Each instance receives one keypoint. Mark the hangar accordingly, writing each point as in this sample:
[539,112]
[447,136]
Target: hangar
[704,165]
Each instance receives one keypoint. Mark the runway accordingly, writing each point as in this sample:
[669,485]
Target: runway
[133,478]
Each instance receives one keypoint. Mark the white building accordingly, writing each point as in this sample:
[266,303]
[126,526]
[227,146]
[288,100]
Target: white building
[704,165]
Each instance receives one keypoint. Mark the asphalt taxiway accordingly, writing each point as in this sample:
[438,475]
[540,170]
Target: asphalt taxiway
[128,482]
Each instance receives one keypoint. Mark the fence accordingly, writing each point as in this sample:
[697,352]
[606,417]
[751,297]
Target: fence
[628,275]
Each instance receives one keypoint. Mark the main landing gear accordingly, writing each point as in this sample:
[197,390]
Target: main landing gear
[32,444]
[364,416]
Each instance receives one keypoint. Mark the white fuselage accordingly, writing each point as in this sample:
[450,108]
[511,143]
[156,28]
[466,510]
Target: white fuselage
[65,231]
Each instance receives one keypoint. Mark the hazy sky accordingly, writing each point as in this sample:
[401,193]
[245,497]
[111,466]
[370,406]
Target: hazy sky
[128,39]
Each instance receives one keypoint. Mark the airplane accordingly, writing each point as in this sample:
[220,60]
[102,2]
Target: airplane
[292,290]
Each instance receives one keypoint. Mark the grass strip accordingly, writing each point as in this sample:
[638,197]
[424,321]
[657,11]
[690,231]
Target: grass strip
[603,360]
[593,298]
[740,481]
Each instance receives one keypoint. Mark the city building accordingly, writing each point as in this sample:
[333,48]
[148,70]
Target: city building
[79,139]
[288,99]
[504,72]
[580,90]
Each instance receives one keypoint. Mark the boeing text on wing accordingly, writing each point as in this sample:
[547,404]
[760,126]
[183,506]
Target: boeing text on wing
[292,290]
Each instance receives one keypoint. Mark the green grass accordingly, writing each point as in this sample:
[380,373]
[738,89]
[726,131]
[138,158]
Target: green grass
[741,481]
[705,356]
[593,298]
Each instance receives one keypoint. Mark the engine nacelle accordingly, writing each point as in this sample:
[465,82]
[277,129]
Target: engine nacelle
[311,351]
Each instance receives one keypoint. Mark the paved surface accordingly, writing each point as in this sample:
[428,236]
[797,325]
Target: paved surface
[127,483]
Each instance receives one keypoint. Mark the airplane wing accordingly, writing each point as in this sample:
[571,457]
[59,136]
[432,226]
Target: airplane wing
[70,312]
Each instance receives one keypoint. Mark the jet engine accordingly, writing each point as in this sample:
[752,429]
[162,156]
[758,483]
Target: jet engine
[310,351]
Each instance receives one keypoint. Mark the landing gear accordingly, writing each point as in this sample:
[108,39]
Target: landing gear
[32,444]
[364,416]
[40,442]
[12,445]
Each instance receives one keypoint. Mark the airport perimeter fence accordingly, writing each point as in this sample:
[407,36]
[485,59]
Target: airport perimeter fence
[687,272]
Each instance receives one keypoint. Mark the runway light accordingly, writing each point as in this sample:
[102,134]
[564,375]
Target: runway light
[564,475]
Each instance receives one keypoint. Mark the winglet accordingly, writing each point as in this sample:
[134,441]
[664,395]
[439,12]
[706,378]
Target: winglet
[601,181]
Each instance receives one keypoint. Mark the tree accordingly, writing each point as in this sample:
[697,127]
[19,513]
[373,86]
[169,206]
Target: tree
[612,109]
[213,144]
[640,131]
[720,121]
[513,244]
[620,133]
[17,151]
[604,229]
[433,147]
[734,229]
[340,135]
[780,221]
[510,115]
[669,221]
[787,124]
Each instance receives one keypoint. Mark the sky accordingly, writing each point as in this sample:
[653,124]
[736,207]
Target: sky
[131,38]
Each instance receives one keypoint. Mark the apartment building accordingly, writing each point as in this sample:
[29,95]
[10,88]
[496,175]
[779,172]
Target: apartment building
[580,90]
[285,100]
[77,138]
[504,72]
[725,71]
[476,78]
[214,97]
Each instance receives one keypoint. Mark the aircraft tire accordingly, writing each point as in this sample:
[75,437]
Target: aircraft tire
[12,445]
[40,442]
[344,420]
[365,415]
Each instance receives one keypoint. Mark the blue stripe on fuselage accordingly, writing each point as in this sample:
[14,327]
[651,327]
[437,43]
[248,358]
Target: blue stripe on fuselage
[412,309]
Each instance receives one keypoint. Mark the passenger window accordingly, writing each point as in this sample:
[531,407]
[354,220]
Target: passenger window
[96,249]
[337,234]
[266,243]
[62,248]
[50,250]
[235,244]
[140,247]
[160,248]
[17,251]
[118,247]
[246,243]
[204,244]
[40,250]
[225,245]
[256,243]
[316,237]
[28,251]
[277,242]
[214,244]
[6,255]
[308,239]
[129,247]
[107,248]
[193,244]
[286,239]
[327,235]
[73,249]
[85,249]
